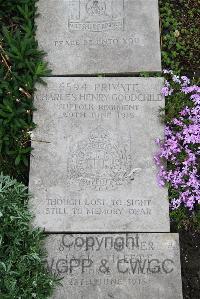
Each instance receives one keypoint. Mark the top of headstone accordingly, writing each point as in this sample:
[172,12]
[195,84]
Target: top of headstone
[99,36]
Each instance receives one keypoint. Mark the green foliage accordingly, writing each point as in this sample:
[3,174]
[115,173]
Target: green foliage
[182,218]
[180,35]
[176,101]
[149,74]
[22,271]
[22,66]
[181,53]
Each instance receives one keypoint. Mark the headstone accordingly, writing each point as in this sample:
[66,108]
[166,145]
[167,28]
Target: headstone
[99,36]
[119,266]
[92,167]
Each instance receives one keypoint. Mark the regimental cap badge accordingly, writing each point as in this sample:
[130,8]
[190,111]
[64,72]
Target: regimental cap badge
[100,161]
[96,7]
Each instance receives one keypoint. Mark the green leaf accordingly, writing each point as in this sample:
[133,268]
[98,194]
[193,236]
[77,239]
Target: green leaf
[3,266]
[17,160]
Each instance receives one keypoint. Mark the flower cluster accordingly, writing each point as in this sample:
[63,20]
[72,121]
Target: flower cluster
[179,155]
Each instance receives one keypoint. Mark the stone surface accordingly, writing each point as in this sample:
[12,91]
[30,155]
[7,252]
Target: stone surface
[92,167]
[104,36]
[119,266]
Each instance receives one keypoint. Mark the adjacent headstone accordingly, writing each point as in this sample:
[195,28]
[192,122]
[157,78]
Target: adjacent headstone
[99,36]
[119,266]
[92,167]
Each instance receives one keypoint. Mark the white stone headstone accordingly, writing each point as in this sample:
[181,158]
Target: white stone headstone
[92,167]
[99,36]
[119,266]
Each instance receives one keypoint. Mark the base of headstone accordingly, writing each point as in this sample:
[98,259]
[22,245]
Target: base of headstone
[119,266]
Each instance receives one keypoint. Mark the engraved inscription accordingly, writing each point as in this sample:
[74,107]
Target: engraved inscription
[116,264]
[96,15]
[74,206]
[84,256]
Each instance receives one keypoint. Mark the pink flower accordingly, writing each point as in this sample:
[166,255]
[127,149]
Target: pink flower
[179,154]
[176,79]
[185,80]
[196,98]
[167,72]
[190,89]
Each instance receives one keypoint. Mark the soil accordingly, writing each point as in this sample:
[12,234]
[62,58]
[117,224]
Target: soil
[190,263]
